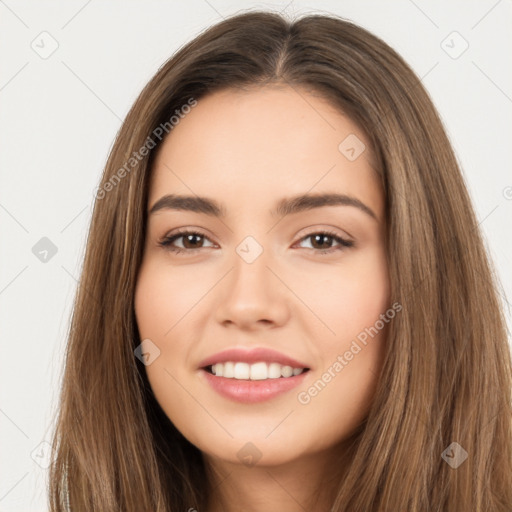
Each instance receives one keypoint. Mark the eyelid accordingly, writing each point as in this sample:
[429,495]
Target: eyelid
[331,230]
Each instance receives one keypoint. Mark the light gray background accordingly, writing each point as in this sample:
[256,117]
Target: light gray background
[59,116]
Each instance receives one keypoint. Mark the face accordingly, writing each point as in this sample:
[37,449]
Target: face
[308,280]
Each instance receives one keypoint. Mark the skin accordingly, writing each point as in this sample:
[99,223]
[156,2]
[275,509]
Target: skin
[247,150]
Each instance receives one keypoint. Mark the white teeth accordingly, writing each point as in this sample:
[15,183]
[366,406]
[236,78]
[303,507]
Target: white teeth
[229,370]
[242,371]
[286,371]
[274,371]
[256,371]
[259,371]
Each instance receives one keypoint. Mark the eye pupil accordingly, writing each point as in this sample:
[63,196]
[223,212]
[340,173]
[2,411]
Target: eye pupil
[190,238]
[319,238]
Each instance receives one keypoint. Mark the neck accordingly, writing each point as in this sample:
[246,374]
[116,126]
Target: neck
[307,483]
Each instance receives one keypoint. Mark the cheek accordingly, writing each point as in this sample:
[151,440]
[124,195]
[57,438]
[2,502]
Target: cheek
[351,304]
[162,299]
[348,298]
[338,396]
[336,402]
[164,296]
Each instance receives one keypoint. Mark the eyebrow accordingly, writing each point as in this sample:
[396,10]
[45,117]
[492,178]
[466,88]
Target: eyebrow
[284,207]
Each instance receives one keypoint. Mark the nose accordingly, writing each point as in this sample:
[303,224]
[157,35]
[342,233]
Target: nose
[252,296]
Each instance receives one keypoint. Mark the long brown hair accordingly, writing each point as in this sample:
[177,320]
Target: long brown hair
[447,373]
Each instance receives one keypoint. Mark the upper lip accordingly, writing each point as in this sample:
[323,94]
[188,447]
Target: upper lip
[254,355]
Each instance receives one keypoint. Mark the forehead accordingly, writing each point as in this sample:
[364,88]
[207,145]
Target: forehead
[263,143]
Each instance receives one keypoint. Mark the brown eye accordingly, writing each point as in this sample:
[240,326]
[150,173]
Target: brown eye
[323,242]
[191,241]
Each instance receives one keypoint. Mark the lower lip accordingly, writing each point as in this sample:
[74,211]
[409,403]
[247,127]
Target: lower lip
[252,391]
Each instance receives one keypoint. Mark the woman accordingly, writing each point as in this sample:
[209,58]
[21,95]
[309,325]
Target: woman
[285,302]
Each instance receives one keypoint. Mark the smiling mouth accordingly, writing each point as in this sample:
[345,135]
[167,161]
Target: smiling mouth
[255,371]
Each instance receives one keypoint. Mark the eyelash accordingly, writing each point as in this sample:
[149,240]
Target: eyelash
[168,240]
